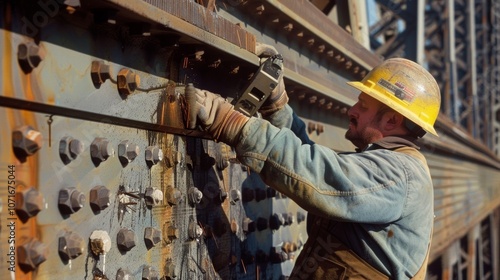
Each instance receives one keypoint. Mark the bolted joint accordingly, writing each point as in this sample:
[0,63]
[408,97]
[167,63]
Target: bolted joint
[70,200]
[149,273]
[99,73]
[31,254]
[153,155]
[173,195]
[194,231]
[99,198]
[71,245]
[123,274]
[170,270]
[29,203]
[28,56]
[69,149]
[153,196]
[127,151]
[152,237]
[127,82]
[100,243]
[194,195]
[26,141]
[125,239]
[101,150]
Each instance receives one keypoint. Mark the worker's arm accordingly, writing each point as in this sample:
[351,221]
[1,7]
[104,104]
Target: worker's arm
[370,187]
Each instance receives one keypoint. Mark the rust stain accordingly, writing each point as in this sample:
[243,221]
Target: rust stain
[390,233]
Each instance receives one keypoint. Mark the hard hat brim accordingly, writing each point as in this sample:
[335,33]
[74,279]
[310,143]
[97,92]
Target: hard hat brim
[395,106]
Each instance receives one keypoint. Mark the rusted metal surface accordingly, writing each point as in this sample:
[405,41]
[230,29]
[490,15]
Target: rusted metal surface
[102,83]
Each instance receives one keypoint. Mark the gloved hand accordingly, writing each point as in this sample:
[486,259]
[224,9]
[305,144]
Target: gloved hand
[213,114]
[276,101]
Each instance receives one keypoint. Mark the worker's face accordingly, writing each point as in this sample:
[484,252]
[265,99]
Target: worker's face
[364,123]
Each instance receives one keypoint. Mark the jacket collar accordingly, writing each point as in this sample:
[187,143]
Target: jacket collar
[392,143]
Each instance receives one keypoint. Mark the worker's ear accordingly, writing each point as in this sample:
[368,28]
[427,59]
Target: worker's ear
[393,121]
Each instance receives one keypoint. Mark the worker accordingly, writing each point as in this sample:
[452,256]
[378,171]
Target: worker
[370,212]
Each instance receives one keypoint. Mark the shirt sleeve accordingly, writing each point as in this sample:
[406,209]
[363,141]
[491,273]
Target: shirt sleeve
[369,187]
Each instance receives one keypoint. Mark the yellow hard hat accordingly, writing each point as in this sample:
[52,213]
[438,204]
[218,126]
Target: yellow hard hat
[407,88]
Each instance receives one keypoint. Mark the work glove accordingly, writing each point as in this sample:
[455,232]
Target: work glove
[213,114]
[278,98]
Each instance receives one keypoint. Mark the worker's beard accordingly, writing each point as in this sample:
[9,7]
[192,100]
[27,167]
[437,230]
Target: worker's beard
[364,136]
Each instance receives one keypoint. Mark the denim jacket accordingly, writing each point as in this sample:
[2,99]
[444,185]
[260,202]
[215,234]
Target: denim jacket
[380,201]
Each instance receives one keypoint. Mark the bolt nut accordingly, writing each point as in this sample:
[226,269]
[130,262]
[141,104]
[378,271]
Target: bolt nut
[152,237]
[99,198]
[70,200]
[172,232]
[194,195]
[69,149]
[153,196]
[235,196]
[276,220]
[127,151]
[261,223]
[123,274]
[170,270]
[101,150]
[31,254]
[127,81]
[71,245]
[100,243]
[194,230]
[149,273]
[29,203]
[278,255]
[248,225]
[26,141]
[173,195]
[99,73]
[28,56]
[125,239]
[153,155]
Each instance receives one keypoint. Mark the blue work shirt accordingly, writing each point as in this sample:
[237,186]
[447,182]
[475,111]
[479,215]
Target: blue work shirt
[380,200]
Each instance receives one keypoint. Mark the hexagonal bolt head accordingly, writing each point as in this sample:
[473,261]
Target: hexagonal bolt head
[248,225]
[278,255]
[69,149]
[123,274]
[194,195]
[153,155]
[235,196]
[194,230]
[101,149]
[149,273]
[127,81]
[29,203]
[28,56]
[170,269]
[125,239]
[173,195]
[100,243]
[152,237]
[153,196]
[31,254]
[172,232]
[99,198]
[71,245]
[70,200]
[276,220]
[99,73]
[26,141]
[127,151]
